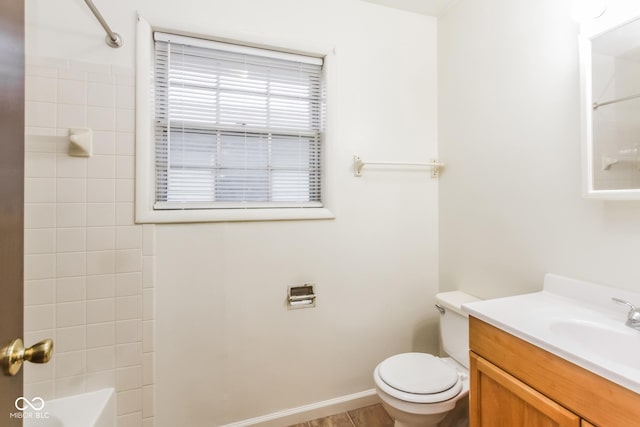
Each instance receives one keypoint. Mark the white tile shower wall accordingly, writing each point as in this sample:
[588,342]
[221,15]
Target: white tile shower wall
[89,280]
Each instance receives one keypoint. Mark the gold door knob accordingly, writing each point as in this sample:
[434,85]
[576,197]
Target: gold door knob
[13,355]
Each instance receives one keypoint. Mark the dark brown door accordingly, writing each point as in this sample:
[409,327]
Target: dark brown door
[11,193]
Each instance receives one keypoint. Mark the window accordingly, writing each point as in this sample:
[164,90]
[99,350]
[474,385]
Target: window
[235,127]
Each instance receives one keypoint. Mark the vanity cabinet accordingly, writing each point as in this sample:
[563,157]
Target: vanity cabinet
[499,399]
[515,383]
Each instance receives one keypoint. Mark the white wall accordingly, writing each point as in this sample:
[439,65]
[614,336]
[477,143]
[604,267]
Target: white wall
[227,348]
[375,265]
[510,201]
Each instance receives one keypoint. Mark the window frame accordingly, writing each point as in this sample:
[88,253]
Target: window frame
[145,211]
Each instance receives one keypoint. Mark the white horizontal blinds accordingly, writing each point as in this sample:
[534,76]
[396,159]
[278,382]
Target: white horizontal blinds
[236,129]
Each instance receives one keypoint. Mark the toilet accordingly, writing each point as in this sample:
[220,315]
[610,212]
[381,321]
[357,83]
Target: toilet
[420,389]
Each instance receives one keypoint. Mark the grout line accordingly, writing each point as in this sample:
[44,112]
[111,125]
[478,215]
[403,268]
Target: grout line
[350,419]
[54,376]
[86,246]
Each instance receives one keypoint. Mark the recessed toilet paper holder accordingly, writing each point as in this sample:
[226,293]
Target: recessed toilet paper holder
[301,296]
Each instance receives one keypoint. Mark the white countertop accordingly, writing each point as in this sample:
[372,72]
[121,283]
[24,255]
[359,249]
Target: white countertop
[575,320]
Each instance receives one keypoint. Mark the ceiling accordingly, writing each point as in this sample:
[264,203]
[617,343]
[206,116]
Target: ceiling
[621,42]
[424,7]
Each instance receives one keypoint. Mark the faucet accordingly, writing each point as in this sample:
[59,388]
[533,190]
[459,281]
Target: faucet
[633,317]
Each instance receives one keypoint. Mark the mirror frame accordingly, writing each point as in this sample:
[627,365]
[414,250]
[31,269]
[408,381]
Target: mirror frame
[611,20]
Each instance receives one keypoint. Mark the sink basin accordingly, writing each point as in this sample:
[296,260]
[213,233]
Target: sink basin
[575,320]
[613,344]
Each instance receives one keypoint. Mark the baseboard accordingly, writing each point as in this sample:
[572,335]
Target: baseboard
[312,411]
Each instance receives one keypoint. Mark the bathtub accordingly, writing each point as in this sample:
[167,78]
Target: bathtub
[95,409]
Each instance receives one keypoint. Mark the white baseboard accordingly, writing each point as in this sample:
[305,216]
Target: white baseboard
[312,411]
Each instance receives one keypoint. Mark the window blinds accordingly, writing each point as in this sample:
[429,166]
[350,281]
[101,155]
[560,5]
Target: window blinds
[235,126]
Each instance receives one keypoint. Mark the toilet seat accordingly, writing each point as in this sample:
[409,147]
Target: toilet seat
[418,378]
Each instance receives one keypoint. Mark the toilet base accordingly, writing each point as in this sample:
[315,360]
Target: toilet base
[404,419]
[401,424]
[458,417]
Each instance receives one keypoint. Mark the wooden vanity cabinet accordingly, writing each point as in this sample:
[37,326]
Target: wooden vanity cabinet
[514,383]
[499,399]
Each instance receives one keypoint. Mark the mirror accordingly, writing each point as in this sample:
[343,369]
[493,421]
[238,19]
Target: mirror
[610,68]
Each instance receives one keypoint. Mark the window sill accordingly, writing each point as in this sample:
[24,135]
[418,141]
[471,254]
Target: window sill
[231,215]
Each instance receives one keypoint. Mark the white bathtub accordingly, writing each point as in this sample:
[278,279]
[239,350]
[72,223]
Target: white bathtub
[95,409]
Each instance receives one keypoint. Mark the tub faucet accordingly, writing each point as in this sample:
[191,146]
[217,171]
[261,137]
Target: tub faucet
[633,317]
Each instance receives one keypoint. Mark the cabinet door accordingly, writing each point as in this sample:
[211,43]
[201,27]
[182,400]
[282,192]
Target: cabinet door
[499,400]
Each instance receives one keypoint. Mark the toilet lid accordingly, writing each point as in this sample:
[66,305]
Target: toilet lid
[417,373]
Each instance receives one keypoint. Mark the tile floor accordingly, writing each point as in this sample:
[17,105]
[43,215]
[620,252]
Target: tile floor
[369,416]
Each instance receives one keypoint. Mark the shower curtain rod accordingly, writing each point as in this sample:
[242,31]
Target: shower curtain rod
[596,105]
[112,39]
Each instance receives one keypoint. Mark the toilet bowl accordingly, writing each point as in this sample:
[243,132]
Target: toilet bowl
[420,389]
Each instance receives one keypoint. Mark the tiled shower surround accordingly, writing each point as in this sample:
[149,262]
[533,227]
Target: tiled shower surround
[89,270]
[615,127]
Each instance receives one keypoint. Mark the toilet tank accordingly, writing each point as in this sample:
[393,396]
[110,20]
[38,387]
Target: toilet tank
[454,325]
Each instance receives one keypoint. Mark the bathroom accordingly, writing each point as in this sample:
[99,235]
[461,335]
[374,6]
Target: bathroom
[188,321]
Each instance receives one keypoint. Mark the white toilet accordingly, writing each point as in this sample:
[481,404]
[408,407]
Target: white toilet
[419,389]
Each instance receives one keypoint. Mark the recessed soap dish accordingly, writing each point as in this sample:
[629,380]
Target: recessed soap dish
[80,142]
